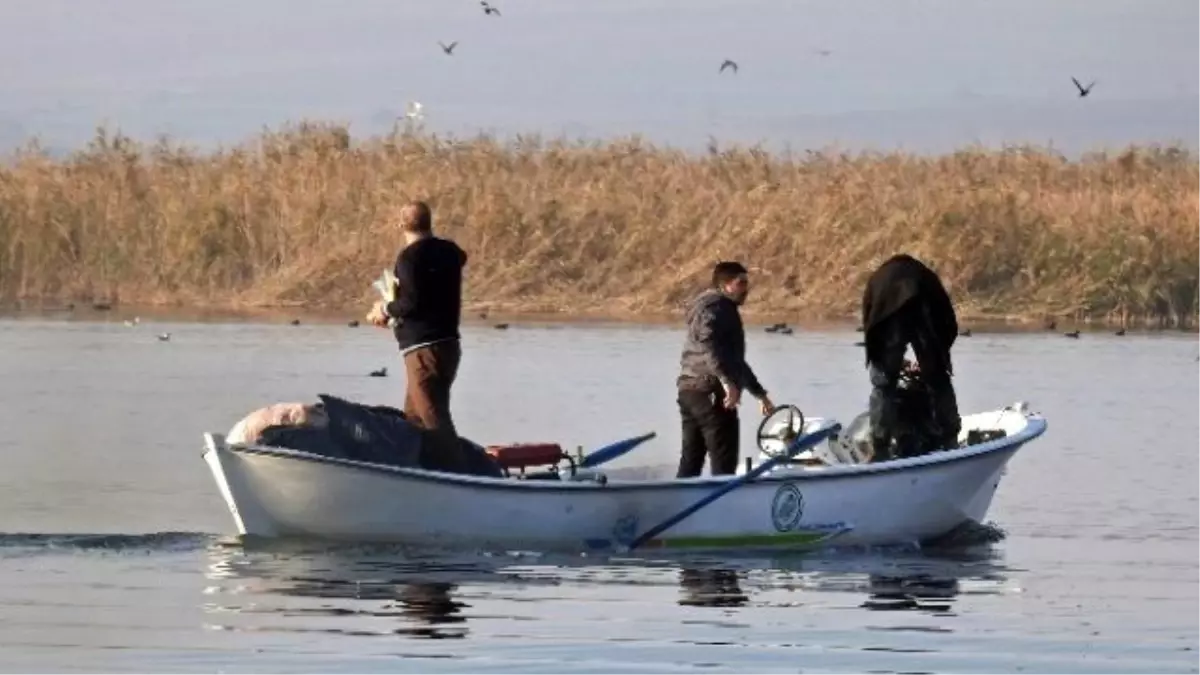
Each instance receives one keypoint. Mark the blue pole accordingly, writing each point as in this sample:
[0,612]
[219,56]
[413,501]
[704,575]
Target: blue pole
[799,444]
[613,451]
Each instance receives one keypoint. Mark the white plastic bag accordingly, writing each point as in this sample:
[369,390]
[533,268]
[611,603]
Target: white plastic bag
[249,429]
[387,285]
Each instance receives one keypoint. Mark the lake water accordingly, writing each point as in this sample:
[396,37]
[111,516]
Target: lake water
[116,554]
[923,75]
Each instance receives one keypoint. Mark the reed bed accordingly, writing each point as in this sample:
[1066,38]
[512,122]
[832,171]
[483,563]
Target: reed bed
[300,217]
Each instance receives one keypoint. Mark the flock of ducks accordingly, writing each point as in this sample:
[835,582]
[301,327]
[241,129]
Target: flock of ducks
[353,323]
[775,328]
[162,337]
[784,329]
[413,110]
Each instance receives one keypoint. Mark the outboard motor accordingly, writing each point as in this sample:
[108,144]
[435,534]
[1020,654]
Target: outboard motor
[851,446]
[916,431]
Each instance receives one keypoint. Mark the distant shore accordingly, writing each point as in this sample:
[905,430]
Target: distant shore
[296,221]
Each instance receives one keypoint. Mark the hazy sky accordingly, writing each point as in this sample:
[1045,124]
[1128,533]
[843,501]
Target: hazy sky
[922,74]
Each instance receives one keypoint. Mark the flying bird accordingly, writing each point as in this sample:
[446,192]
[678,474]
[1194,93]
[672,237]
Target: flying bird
[1083,91]
[729,63]
[449,49]
[488,9]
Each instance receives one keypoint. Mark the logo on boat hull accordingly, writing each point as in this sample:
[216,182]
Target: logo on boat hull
[787,508]
[625,530]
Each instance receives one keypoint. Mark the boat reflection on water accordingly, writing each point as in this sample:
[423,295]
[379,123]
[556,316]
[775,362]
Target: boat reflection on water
[259,585]
[921,592]
[431,607]
[716,587]
[390,590]
[897,579]
[720,587]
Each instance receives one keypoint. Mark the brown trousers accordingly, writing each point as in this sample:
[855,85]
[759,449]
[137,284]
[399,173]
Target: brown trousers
[430,372]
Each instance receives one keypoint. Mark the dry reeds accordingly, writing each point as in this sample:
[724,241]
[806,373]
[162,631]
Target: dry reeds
[295,217]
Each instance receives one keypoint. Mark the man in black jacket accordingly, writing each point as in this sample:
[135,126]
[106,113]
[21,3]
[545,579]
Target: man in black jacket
[427,309]
[905,304]
[713,374]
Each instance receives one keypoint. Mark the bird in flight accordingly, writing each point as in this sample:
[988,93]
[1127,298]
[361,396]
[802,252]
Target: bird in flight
[449,49]
[729,63]
[1083,91]
[488,9]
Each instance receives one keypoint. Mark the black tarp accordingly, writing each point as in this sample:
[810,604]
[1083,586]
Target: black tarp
[377,434]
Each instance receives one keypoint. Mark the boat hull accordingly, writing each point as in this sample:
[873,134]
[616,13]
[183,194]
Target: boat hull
[275,492]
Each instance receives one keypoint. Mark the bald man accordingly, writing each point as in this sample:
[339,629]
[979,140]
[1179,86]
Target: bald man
[427,310]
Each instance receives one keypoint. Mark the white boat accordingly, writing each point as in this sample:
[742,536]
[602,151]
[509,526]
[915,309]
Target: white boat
[784,502]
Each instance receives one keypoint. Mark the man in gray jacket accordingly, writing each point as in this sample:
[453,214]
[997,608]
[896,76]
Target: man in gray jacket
[713,374]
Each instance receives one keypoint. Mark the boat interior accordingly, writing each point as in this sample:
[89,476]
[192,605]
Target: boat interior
[345,430]
[850,445]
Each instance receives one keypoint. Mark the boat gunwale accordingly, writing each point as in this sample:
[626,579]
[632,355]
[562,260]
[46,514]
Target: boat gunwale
[1035,426]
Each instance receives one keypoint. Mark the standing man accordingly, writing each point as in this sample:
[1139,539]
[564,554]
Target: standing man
[905,303]
[713,374]
[427,308]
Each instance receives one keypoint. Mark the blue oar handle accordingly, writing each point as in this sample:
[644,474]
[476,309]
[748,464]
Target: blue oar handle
[801,443]
[613,451]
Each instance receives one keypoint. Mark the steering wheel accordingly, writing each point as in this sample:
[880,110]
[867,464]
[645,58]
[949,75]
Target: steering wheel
[778,429]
